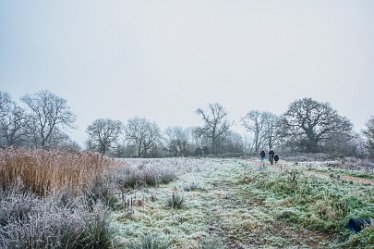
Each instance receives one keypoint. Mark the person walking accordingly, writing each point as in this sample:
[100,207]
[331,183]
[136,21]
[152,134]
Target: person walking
[276,159]
[271,156]
[262,155]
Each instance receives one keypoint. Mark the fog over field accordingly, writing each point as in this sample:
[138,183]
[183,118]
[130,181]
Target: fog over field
[163,59]
[186,124]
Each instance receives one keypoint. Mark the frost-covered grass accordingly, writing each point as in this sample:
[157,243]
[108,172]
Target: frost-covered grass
[187,203]
[27,221]
[230,203]
[318,204]
[353,168]
[335,169]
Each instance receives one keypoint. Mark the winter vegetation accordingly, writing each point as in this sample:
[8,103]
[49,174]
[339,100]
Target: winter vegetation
[178,203]
[137,186]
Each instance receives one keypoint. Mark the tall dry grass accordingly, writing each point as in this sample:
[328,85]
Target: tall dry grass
[41,171]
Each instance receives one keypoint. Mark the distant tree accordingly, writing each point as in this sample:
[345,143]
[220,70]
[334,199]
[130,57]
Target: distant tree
[271,123]
[47,113]
[369,135]
[343,145]
[144,135]
[262,126]
[103,133]
[216,124]
[307,124]
[12,121]
[61,140]
[177,140]
[231,145]
[254,123]
[4,103]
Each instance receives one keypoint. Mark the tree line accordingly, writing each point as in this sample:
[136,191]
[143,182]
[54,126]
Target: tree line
[307,126]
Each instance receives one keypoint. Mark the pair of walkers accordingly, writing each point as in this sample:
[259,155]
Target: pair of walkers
[272,157]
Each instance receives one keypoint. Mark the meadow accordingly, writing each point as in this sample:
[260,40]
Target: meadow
[62,199]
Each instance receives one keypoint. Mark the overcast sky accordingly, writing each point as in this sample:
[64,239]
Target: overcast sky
[163,59]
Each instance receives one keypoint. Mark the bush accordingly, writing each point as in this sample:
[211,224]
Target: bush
[28,222]
[99,191]
[97,233]
[193,187]
[149,242]
[175,201]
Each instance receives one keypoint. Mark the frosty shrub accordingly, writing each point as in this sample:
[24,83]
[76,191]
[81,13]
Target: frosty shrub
[149,242]
[193,187]
[15,208]
[97,232]
[149,175]
[175,201]
[100,191]
[30,222]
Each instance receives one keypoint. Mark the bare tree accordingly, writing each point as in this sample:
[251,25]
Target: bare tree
[178,141]
[271,122]
[144,134]
[12,121]
[215,124]
[103,133]
[308,123]
[13,124]
[48,112]
[369,135]
[262,125]
[254,123]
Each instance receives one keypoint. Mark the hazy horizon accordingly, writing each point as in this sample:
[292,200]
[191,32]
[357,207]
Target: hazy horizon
[163,60]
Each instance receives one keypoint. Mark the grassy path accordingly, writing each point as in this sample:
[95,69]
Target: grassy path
[221,209]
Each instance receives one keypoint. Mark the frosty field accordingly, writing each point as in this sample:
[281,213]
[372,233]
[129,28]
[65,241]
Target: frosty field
[231,203]
[178,203]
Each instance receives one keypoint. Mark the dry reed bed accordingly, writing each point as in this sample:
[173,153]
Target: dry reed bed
[42,171]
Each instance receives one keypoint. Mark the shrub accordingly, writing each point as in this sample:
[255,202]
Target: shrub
[97,233]
[175,201]
[193,187]
[100,191]
[16,208]
[45,224]
[149,242]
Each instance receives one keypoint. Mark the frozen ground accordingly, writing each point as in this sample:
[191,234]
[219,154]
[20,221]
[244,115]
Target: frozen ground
[232,203]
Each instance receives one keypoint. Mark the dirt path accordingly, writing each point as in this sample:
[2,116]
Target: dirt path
[319,173]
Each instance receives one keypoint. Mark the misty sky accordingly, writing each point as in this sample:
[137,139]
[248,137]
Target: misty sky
[163,59]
